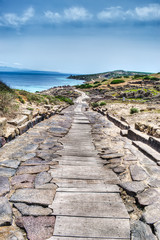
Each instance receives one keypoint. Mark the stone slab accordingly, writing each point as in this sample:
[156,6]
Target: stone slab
[7,172]
[94,188]
[10,163]
[5,212]
[90,209]
[4,185]
[33,196]
[87,197]
[32,210]
[138,173]
[32,169]
[92,227]
[78,238]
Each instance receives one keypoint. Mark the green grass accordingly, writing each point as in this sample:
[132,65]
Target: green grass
[95,104]
[102,103]
[65,99]
[117,81]
[134,110]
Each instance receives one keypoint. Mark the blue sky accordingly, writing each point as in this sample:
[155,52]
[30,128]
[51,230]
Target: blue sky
[80,36]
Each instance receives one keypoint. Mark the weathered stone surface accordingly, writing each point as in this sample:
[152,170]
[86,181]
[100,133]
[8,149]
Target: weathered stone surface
[38,228]
[7,172]
[32,169]
[4,185]
[5,212]
[153,182]
[47,186]
[148,197]
[130,158]
[22,179]
[42,178]
[138,173]
[23,185]
[27,156]
[46,155]
[30,148]
[133,187]
[152,213]
[38,161]
[119,169]
[10,163]
[157,229]
[33,196]
[32,210]
[141,231]
[18,121]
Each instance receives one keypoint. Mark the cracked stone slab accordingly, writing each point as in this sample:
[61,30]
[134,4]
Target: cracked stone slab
[138,173]
[4,185]
[32,210]
[7,172]
[92,227]
[38,228]
[32,169]
[133,187]
[152,213]
[22,178]
[10,163]
[42,178]
[148,197]
[5,212]
[34,196]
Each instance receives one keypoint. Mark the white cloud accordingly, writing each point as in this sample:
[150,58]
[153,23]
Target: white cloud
[150,12]
[13,20]
[72,14]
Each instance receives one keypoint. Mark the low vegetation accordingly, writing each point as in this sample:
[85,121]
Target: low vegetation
[117,81]
[134,110]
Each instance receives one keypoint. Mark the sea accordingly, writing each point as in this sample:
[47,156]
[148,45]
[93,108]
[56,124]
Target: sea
[37,81]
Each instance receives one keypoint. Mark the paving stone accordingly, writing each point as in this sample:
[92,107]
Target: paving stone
[148,197]
[92,227]
[38,161]
[38,228]
[32,210]
[46,155]
[47,186]
[23,185]
[153,182]
[119,169]
[141,231]
[10,163]
[5,212]
[30,148]
[27,157]
[157,229]
[23,179]
[42,178]
[138,173]
[32,169]
[4,185]
[130,158]
[33,196]
[133,187]
[152,213]
[7,172]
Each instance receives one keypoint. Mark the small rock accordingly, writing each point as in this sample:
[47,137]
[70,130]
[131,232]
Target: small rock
[152,213]
[119,169]
[110,156]
[32,169]
[42,178]
[4,185]
[130,209]
[141,231]
[138,173]
[133,187]
[34,196]
[39,228]
[5,212]
[32,210]
[148,197]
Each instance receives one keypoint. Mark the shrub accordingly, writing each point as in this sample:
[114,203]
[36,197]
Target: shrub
[102,103]
[117,81]
[134,110]
[21,99]
[5,88]
[104,80]
[86,85]
[95,104]
[6,100]
[65,99]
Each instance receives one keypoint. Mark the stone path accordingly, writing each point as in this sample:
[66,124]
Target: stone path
[87,204]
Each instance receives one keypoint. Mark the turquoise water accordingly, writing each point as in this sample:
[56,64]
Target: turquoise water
[36,81]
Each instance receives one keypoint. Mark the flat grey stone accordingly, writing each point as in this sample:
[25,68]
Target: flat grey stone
[5,212]
[110,156]
[4,185]
[32,169]
[119,169]
[27,156]
[75,238]
[148,197]
[157,229]
[24,178]
[130,158]
[38,228]
[152,213]
[155,183]
[91,227]
[141,231]
[7,172]
[32,210]
[10,163]
[30,148]
[47,186]
[34,196]
[138,173]
[42,178]
[133,187]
